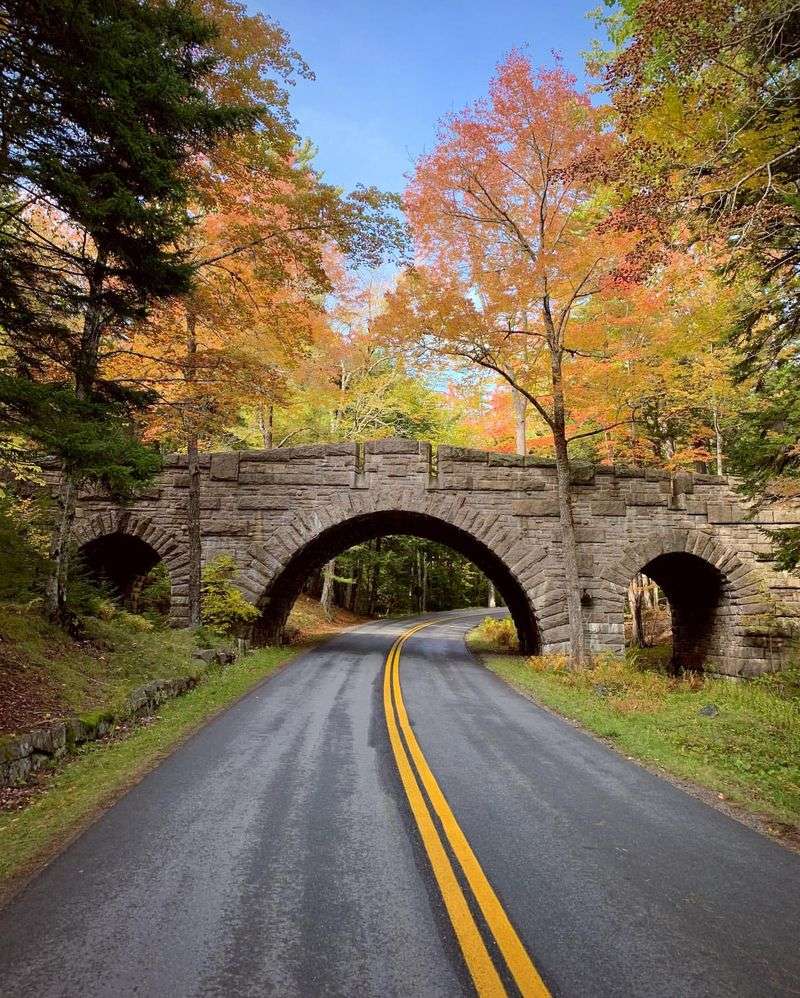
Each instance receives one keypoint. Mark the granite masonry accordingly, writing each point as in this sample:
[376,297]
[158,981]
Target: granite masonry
[282,513]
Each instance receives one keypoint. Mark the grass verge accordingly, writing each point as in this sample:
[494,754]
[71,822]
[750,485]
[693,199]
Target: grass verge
[45,675]
[101,771]
[740,740]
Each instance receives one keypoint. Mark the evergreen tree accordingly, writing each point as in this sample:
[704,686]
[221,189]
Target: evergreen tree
[103,104]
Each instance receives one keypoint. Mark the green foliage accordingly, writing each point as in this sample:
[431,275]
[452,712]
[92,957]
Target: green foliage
[105,104]
[154,596]
[115,103]
[92,440]
[23,526]
[385,400]
[118,652]
[764,453]
[764,450]
[86,597]
[402,574]
[224,608]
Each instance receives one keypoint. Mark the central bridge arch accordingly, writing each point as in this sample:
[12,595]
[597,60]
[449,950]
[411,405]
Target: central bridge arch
[286,583]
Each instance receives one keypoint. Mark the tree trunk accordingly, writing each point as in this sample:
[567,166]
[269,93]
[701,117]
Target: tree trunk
[326,600]
[56,586]
[424,580]
[85,374]
[376,572]
[492,600]
[89,354]
[265,422]
[195,547]
[579,646]
[355,589]
[717,441]
[520,404]
[636,604]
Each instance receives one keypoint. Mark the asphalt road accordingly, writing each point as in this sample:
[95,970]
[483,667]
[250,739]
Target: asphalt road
[275,853]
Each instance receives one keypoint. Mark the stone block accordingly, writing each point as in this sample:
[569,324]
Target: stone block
[224,467]
[535,507]
[725,512]
[590,535]
[785,516]
[607,507]
[581,474]
[51,740]
[506,461]
[393,445]
[643,497]
[448,453]
[696,507]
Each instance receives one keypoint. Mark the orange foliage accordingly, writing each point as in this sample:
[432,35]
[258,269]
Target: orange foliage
[527,268]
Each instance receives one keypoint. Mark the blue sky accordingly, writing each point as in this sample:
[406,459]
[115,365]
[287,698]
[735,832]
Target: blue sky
[387,71]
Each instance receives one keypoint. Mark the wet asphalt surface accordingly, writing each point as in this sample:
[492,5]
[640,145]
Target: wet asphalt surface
[274,854]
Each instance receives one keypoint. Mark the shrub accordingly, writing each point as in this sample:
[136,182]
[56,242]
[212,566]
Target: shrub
[23,547]
[499,632]
[224,608]
[155,594]
[135,622]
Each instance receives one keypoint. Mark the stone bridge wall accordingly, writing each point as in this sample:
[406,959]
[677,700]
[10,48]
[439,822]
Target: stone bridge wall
[267,507]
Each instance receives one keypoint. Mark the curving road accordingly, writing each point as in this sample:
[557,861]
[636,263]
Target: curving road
[278,853]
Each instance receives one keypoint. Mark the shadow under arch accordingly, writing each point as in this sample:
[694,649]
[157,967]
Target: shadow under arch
[697,594]
[119,560]
[285,587]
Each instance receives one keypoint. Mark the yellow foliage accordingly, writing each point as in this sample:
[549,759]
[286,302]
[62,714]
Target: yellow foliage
[500,632]
[627,685]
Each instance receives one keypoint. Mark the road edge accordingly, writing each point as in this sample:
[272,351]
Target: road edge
[689,787]
[16,882]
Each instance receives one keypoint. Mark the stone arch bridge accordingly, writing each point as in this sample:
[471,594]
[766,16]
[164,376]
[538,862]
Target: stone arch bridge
[283,513]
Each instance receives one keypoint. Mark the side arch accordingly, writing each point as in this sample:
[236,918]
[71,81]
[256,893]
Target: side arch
[280,564]
[131,535]
[709,587]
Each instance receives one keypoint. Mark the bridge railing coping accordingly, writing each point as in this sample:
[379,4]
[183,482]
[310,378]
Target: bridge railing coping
[438,458]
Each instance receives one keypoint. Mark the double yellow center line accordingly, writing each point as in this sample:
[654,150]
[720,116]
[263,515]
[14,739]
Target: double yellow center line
[416,776]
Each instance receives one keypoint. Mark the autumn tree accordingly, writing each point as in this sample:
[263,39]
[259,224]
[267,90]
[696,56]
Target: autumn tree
[514,238]
[103,104]
[706,94]
[672,365]
[264,220]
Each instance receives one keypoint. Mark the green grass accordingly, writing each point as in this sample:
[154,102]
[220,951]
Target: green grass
[76,677]
[749,751]
[100,772]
